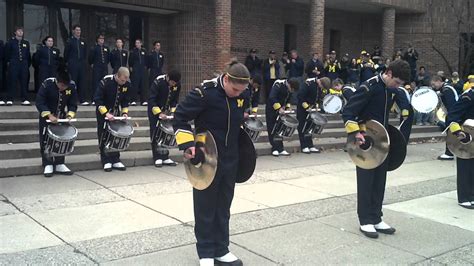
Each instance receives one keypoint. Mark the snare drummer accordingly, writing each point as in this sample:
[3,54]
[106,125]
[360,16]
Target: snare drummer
[449,97]
[372,100]
[308,96]
[54,95]
[279,101]
[164,95]
[252,95]
[112,99]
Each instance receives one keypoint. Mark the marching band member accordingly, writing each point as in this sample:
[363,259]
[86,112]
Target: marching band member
[407,115]
[348,91]
[252,94]
[54,95]
[462,110]
[111,98]
[75,54]
[308,97]
[48,59]
[137,62]
[278,101]
[164,95]
[99,58]
[372,100]
[119,56]
[216,106]
[449,97]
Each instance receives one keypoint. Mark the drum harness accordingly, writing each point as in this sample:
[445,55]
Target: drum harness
[278,117]
[59,114]
[116,112]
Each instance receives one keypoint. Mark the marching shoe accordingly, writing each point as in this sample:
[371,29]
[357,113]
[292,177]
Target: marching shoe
[275,153]
[108,167]
[169,162]
[2,103]
[384,228]
[63,169]
[467,205]
[85,103]
[229,259]
[445,157]
[314,150]
[119,166]
[159,163]
[144,103]
[285,153]
[25,102]
[9,103]
[92,103]
[369,230]
[133,103]
[306,150]
[48,171]
[206,262]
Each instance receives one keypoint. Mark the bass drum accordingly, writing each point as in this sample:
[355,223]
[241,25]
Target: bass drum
[332,104]
[424,100]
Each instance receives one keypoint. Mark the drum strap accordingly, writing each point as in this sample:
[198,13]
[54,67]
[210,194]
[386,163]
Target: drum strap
[116,111]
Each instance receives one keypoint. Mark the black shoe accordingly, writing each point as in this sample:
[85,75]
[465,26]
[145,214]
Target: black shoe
[388,231]
[369,234]
[470,207]
[237,262]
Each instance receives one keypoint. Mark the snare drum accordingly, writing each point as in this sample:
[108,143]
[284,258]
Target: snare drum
[253,127]
[424,100]
[164,134]
[285,126]
[59,139]
[314,124]
[117,135]
[332,104]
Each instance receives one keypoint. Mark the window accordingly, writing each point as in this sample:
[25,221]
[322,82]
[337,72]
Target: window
[107,25]
[66,19]
[3,20]
[290,37]
[36,24]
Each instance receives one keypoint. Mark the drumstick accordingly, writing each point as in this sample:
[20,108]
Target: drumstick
[63,120]
[120,118]
[289,112]
[254,116]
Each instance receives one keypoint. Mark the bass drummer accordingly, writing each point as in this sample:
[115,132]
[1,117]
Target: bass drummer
[164,95]
[54,95]
[112,99]
[449,97]
[372,101]
[309,95]
[279,101]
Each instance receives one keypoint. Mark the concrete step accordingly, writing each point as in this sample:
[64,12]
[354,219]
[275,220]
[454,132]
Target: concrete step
[141,141]
[18,167]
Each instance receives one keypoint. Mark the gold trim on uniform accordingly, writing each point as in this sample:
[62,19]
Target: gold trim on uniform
[156,110]
[183,136]
[351,126]
[125,110]
[45,113]
[363,127]
[102,109]
[305,105]
[288,105]
[254,110]
[201,138]
[173,109]
[71,114]
[405,112]
[276,106]
[453,127]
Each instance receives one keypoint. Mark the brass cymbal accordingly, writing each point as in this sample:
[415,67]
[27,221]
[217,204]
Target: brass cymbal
[375,151]
[201,175]
[247,157]
[462,149]
[398,148]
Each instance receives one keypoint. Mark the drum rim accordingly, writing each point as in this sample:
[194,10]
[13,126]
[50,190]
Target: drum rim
[58,138]
[332,96]
[260,123]
[116,134]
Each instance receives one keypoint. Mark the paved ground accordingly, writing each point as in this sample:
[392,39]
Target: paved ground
[294,211]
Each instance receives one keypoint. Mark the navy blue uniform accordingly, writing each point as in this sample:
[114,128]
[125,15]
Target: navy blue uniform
[279,97]
[155,64]
[50,100]
[212,110]
[118,58]
[163,98]
[366,71]
[110,97]
[314,65]
[2,61]
[75,55]
[47,59]
[460,112]
[99,58]
[449,97]
[252,98]
[308,96]
[137,64]
[372,100]
[254,65]
[18,58]
[347,92]
[402,98]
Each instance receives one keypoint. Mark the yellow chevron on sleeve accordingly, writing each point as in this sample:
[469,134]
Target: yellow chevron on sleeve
[183,136]
[352,126]
[305,105]
[71,114]
[453,127]
[102,109]
[156,110]
[276,106]
[45,113]
[125,110]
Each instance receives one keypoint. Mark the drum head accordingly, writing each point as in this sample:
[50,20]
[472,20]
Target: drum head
[398,148]
[289,120]
[424,100]
[247,157]
[120,128]
[318,118]
[167,127]
[332,104]
[254,124]
[62,131]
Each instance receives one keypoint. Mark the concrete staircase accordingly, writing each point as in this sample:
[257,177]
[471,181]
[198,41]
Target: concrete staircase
[20,155]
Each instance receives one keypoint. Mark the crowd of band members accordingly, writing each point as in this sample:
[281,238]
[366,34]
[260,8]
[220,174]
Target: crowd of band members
[16,60]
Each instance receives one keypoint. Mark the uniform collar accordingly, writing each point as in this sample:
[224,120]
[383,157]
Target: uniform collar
[381,78]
